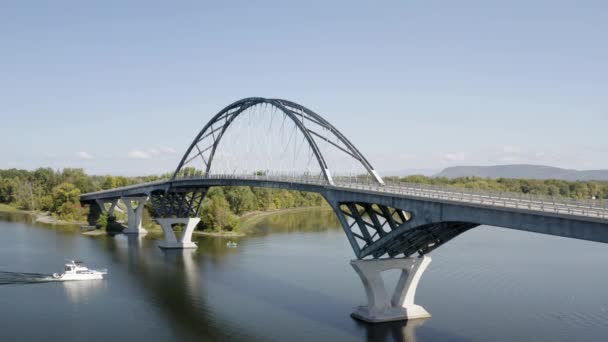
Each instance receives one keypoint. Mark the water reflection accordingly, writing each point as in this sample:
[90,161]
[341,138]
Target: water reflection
[184,259]
[170,281]
[291,282]
[313,220]
[81,291]
[392,331]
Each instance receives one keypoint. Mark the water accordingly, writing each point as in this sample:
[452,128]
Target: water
[292,282]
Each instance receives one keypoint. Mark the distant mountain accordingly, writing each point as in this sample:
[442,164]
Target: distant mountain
[409,172]
[523,171]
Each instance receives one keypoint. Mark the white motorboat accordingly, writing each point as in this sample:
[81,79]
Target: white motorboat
[76,270]
[231,244]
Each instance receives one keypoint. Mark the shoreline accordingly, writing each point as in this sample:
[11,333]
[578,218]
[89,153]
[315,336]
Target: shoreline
[247,220]
[250,218]
[39,216]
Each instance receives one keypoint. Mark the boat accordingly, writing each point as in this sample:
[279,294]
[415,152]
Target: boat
[231,244]
[76,270]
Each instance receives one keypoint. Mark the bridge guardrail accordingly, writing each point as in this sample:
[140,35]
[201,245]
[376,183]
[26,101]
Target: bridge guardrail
[589,208]
[596,208]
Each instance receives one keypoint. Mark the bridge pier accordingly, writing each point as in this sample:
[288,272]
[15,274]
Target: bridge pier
[135,214]
[102,206]
[401,305]
[170,241]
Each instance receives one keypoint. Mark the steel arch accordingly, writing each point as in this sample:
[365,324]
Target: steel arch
[227,115]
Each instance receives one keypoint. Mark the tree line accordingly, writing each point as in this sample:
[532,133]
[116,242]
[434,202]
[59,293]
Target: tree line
[58,191]
[580,190]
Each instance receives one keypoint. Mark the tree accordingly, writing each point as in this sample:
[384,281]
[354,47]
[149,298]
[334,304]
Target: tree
[240,198]
[24,195]
[109,183]
[263,198]
[66,201]
[7,189]
[79,179]
[216,215]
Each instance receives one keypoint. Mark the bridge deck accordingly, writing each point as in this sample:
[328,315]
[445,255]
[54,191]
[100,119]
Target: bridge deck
[597,209]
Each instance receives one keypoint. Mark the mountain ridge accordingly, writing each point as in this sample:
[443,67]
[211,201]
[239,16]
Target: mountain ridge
[523,171]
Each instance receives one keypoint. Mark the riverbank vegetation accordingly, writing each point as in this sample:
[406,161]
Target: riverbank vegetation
[580,190]
[57,192]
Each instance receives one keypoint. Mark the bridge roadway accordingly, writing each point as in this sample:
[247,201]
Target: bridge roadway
[591,209]
[385,224]
[395,219]
[389,226]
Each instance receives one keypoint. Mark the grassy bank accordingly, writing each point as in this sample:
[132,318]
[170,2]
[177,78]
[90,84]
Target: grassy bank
[42,217]
[248,220]
[5,208]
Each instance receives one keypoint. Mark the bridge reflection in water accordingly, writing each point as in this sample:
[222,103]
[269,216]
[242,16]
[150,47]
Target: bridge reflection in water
[184,285]
[388,226]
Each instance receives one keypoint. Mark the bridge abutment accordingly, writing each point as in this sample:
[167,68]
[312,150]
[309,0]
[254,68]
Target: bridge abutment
[135,214]
[171,241]
[401,306]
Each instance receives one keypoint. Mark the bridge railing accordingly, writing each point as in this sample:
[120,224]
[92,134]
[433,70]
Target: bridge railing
[302,179]
[588,208]
[591,208]
[128,187]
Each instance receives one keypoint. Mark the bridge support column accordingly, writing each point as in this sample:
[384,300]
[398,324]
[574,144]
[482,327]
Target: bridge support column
[170,239]
[135,214]
[109,211]
[401,305]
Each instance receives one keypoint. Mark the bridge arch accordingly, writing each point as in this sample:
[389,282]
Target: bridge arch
[206,142]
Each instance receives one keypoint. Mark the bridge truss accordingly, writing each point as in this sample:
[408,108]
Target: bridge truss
[385,224]
[313,128]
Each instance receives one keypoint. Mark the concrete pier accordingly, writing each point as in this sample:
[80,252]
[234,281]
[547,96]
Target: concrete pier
[102,205]
[401,305]
[170,240]
[135,214]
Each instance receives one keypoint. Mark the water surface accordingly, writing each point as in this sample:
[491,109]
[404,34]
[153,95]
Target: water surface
[291,281]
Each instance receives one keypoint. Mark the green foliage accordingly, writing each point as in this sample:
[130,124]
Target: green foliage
[24,196]
[263,198]
[66,202]
[7,190]
[216,214]
[103,220]
[240,198]
[222,205]
[189,171]
[65,193]
[40,189]
[551,187]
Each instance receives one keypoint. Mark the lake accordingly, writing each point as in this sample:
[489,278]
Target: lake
[290,280]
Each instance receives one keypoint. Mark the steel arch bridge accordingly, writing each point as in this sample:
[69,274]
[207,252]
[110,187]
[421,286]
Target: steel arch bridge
[309,123]
[385,224]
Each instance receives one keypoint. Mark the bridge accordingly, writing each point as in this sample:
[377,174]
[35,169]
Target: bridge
[389,225]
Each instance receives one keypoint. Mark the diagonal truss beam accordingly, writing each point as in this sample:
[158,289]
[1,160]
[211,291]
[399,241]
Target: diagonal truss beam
[297,113]
[377,230]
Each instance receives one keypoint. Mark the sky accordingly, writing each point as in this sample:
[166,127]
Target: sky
[122,87]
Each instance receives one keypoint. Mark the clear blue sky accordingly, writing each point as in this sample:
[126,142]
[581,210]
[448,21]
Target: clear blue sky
[123,86]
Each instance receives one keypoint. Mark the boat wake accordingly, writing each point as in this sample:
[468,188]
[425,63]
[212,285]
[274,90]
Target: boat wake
[12,278]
